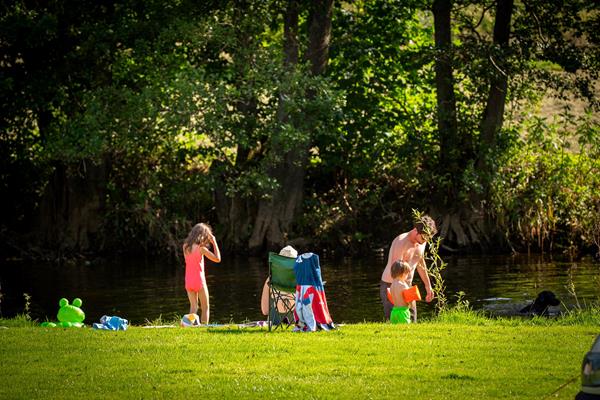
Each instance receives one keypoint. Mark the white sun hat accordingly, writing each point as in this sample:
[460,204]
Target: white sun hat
[288,251]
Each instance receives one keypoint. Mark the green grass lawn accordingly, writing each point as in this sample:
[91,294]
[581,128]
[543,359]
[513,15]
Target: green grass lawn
[441,359]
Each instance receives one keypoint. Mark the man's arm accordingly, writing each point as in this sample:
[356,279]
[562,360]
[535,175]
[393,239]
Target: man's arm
[422,269]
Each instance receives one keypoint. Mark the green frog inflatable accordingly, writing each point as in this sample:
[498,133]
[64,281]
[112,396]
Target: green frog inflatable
[69,315]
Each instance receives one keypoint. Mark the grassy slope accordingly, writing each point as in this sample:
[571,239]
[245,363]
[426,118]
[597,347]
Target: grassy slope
[437,360]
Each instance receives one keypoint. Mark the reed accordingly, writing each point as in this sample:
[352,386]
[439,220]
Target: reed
[435,266]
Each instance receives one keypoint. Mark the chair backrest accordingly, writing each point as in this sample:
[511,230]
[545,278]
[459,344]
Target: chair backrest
[308,270]
[281,271]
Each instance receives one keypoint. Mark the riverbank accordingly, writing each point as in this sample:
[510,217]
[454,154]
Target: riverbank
[462,355]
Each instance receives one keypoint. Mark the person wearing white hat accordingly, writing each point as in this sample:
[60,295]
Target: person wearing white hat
[287,251]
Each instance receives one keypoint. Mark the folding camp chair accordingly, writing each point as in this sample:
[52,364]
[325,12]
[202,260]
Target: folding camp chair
[282,289]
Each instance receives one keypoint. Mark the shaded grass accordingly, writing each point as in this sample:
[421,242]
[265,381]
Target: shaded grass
[476,357]
[21,320]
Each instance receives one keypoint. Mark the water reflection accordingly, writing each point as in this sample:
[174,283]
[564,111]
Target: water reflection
[148,289]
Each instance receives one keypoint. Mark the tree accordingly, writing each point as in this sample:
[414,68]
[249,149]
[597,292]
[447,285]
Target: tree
[451,160]
[493,115]
[73,116]
[505,59]
[276,214]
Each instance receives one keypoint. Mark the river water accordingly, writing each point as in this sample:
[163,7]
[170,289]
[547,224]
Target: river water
[141,290]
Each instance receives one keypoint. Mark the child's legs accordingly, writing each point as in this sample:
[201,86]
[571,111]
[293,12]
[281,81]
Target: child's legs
[193,297]
[204,304]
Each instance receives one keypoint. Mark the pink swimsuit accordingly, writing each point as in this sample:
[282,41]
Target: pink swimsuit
[194,271]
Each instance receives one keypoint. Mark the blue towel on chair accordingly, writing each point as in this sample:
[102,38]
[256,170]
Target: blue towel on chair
[311,312]
[308,270]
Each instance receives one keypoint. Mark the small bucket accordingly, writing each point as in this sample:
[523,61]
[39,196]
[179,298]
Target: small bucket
[411,294]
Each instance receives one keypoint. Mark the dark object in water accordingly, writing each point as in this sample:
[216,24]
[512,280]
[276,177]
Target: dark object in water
[541,303]
[590,374]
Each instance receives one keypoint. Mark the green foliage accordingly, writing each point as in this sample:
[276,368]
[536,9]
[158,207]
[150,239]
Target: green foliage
[582,316]
[542,191]
[568,34]
[379,60]
[198,115]
[94,94]
[458,315]
[374,165]
[179,101]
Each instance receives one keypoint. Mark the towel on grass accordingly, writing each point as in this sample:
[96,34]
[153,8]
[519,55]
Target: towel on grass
[113,323]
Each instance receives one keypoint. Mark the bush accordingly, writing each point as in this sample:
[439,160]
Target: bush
[544,195]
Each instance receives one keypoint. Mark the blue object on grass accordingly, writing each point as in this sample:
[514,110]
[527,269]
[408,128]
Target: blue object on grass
[113,323]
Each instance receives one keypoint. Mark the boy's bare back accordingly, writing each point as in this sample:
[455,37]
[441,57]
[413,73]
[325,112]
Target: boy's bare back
[398,286]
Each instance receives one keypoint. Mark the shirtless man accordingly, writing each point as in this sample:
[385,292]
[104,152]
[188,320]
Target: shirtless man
[410,248]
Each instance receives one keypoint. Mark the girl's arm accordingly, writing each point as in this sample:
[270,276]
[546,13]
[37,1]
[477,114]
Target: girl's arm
[214,255]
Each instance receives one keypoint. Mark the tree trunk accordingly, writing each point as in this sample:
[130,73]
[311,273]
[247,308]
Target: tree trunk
[452,149]
[276,215]
[494,110]
[71,209]
[290,31]
[235,213]
[464,225]
[319,35]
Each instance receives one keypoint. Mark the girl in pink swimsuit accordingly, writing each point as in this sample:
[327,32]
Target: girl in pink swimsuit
[195,247]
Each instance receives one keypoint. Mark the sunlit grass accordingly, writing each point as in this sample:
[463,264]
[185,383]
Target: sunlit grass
[462,354]
[589,316]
